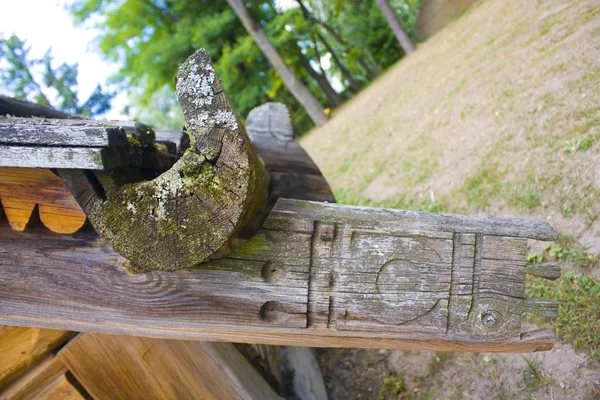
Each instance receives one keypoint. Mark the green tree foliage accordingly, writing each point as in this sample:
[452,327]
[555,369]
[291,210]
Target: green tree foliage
[364,30]
[57,87]
[151,38]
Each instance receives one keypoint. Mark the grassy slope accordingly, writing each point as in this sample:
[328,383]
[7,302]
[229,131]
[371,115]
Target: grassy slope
[497,114]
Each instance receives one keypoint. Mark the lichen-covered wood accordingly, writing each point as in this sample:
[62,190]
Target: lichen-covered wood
[315,274]
[183,216]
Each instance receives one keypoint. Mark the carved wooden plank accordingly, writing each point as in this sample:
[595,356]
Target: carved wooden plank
[22,347]
[315,274]
[142,368]
[22,188]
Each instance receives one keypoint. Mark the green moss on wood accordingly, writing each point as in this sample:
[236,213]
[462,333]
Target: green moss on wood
[192,210]
[252,247]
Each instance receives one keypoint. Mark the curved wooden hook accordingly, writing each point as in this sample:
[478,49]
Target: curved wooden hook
[184,215]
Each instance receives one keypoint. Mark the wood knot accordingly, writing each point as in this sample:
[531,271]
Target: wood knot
[491,319]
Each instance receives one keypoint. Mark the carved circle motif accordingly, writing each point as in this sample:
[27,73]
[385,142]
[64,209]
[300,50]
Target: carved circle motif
[402,298]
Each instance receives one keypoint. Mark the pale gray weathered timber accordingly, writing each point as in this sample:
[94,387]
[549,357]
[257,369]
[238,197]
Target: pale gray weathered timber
[272,120]
[60,132]
[293,173]
[547,270]
[94,158]
[315,275]
[80,144]
[542,307]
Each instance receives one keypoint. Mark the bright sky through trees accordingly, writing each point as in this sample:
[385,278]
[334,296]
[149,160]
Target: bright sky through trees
[49,25]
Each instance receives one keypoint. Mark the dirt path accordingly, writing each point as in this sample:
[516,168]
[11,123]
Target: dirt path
[498,114]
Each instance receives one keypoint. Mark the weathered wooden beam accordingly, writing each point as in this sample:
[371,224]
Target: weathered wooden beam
[315,275]
[61,132]
[547,270]
[80,144]
[24,108]
[302,378]
[194,209]
[294,175]
[542,307]
[61,157]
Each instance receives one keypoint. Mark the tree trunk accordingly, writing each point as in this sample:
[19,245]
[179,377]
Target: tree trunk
[295,86]
[389,14]
[354,85]
[333,98]
[372,72]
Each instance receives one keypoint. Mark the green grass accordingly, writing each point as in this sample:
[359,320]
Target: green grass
[533,377]
[436,363]
[483,185]
[582,143]
[527,197]
[568,250]
[591,13]
[394,387]
[578,298]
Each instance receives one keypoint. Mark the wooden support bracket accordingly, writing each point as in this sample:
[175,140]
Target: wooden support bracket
[313,274]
